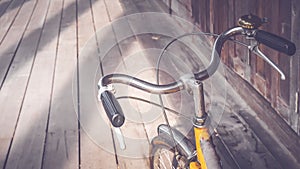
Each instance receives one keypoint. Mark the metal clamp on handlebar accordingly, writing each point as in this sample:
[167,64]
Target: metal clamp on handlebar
[102,89]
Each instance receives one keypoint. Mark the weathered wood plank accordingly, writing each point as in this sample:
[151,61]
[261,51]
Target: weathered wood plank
[111,63]
[62,145]
[231,46]
[7,18]
[4,4]
[136,141]
[9,45]
[108,48]
[284,20]
[240,140]
[240,56]
[272,75]
[28,143]
[295,68]
[16,81]
[96,141]
[274,133]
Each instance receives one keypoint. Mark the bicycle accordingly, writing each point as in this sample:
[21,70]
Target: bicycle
[183,153]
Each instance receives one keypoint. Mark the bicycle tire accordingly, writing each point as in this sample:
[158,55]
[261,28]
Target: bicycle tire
[161,144]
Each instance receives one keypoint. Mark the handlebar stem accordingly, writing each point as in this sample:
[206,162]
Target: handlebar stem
[200,113]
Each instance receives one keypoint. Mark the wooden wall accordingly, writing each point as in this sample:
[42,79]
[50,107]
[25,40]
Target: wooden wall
[283,16]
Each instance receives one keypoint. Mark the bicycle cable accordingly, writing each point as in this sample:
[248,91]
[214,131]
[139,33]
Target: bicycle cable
[153,103]
[157,79]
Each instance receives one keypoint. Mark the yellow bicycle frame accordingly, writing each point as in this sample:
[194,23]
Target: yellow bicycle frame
[200,134]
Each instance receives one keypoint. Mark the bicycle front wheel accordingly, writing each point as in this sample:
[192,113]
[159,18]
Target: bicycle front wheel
[163,154]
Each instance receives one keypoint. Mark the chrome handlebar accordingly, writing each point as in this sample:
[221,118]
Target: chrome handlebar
[140,84]
[113,109]
[179,85]
[201,76]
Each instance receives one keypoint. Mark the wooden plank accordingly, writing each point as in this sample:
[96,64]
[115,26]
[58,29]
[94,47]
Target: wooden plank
[211,16]
[284,19]
[223,20]
[96,144]
[28,143]
[98,10]
[272,76]
[274,133]
[113,62]
[239,140]
[136,140]
[295,68]
[246,149]
[7,18]
[232,46]
[196,11]
[4,4]
[108,48]
[9,45]
[117,12]
[204,15]
[16,81]
[110,56]
[258,78]
[62,144]
[241,53]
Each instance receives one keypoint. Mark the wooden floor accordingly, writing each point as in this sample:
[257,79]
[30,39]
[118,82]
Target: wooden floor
[49,67]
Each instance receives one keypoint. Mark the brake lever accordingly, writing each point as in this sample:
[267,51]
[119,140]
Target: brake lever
[120,138]
[255,49]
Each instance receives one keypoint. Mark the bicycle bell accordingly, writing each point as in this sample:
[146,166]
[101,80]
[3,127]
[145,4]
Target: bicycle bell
[251,21]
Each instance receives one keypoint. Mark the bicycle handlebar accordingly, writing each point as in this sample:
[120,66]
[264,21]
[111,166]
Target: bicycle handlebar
[112,107]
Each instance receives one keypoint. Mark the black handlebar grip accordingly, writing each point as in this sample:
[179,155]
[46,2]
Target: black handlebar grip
[112,108]
[275,42]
